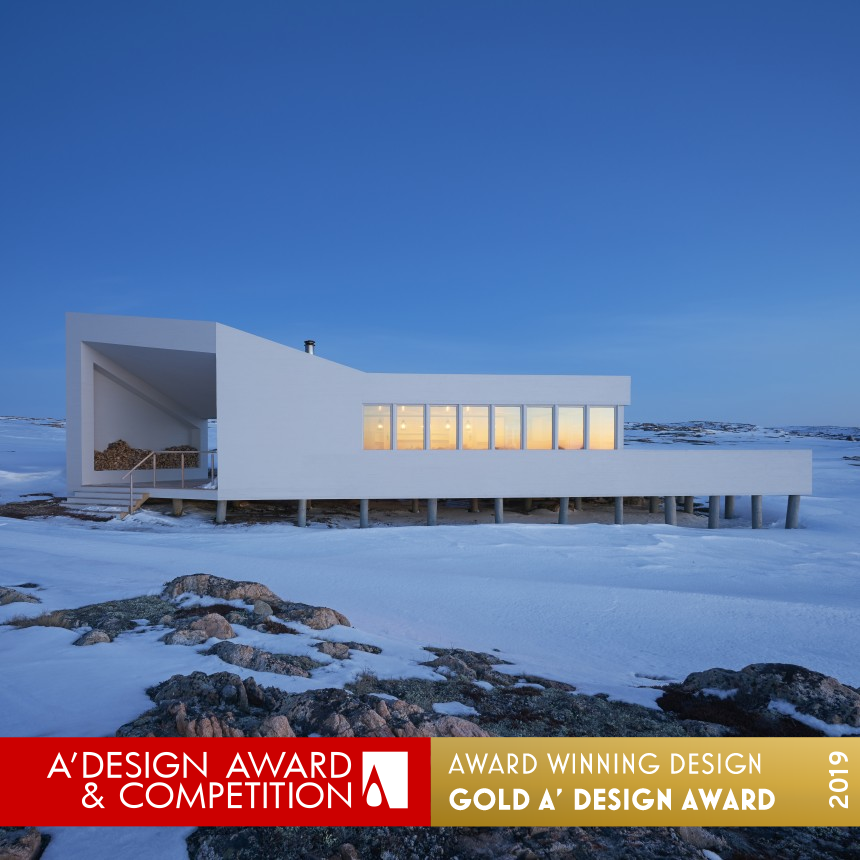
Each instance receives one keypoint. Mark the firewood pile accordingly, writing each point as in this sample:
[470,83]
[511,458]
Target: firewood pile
[120,456]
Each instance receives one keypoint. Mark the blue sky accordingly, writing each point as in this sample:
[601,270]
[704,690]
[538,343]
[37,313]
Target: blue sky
[669,190]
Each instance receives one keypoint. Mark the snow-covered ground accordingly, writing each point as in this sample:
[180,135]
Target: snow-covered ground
[608,608]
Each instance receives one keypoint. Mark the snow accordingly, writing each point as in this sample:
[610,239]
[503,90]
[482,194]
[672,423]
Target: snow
[834,731]
[612,609]
[455,709]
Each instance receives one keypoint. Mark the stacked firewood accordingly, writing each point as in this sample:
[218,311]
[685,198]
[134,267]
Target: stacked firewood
[120,456]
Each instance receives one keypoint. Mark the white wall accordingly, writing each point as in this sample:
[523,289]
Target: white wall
[290,426]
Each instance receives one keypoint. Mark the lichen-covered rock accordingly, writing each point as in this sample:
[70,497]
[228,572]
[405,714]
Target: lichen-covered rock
[20,843]
[262,608]
[112,616]
[336,650]
[258,660]
[12,595]
[93,637]
[185,636]
[207,585]
[214,626]
[753,699]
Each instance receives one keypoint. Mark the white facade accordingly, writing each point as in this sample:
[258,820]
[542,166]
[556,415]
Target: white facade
[291,425]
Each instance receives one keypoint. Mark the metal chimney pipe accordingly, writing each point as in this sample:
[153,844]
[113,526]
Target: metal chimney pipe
[309,346]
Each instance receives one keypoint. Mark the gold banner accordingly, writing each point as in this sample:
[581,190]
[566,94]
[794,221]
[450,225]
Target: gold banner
[753,782]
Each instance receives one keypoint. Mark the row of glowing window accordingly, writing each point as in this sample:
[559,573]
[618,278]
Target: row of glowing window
[479,428]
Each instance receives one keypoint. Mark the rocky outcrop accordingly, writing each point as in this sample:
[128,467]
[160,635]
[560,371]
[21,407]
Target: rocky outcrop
[766,699]
[12,595]
[21,843]
[512,705]
[92,637]
[258,660]
[111,617]
[225,705]
[214,626]
[207,585]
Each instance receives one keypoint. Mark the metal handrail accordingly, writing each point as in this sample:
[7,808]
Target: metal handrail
[210,469]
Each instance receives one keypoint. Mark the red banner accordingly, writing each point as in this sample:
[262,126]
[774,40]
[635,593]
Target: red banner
[216,781]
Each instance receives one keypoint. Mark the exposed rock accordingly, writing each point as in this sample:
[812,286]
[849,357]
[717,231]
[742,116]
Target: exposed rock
[440,843]
[258,660]
[516,706]
[185,637]
[262,608]
[223,705]
[20,843]
[207,585]
[93,637]
[204,584]
[113,616]
[743,699]
[214,625]
[12,595]
[337,650]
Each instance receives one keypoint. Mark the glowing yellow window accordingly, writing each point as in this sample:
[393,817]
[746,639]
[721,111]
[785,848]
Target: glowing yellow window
[571,435]
[507,427]
[539,427]
[601,427]
[377,427]
[410,427]
[476,428]
[443,428]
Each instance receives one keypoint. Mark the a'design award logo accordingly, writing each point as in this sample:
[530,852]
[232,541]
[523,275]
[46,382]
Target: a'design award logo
[385,779]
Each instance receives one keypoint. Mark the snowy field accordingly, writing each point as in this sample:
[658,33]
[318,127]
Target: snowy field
[612,609]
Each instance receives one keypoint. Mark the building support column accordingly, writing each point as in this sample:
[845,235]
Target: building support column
[221,511]
[363,513]
[563,505]
[619,510]
[713,512]
[302,513]
[756,512]
[577,503]
[527,506]
[178,504]
[474,507]
[431,511]
[499,510]
[792,513]
[416,506]
[689,504]
[730,508]
[653,504]
[669,513]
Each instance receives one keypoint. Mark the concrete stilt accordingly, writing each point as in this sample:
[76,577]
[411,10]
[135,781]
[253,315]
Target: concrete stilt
[577,503]
[302,513]
[619,510]
[713,512]
[689,503]
[653,504]
[499,510]
[792,513]
[178,504]
[474,507]
[416,506]
[669,513]
[221,511]
[363,513]
[431,511]
[730,508]
[527,506]
[563,506]
[756,512]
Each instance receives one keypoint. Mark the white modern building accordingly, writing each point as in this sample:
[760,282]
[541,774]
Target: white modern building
[293,426]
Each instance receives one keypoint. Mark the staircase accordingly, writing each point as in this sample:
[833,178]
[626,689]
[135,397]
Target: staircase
[112,500]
